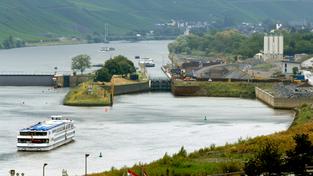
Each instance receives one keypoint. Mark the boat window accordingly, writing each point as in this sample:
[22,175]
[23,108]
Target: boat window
[59,129]
[34,141]
[33,133]
[40,141]
[24,140]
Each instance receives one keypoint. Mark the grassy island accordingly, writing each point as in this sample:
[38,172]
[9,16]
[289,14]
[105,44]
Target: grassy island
[222,159]
[81,96]
[117,76]
[100,92]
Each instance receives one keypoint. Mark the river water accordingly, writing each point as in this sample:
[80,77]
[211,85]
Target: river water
[138,128]
[45,59]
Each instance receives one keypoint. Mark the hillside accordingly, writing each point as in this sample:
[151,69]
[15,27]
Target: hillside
[34,19]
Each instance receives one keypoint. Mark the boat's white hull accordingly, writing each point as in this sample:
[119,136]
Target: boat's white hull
[46,148]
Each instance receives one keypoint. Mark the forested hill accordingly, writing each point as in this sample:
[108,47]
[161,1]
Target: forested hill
[30,19]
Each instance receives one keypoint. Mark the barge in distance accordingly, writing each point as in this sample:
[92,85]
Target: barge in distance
[46,135]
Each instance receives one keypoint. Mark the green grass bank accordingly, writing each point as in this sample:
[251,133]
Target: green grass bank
[216,89]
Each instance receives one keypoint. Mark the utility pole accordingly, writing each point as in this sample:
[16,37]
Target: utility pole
[86,156]
[43,169]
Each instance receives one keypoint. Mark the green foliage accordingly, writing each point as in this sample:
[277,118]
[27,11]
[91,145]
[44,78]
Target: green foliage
[270,161]
[103,75]
[182,153]
[232,166]
[304,114]
[295,70]
[12,42]
[232,42]
[81,62]
[120,65]
[113,67]
[41,19]
[267,160]
[253,167]
[298,42]
[301,155]
[79,96]
[229,41]
[219,89]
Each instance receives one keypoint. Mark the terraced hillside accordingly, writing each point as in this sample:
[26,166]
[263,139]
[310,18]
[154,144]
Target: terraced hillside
[34,19]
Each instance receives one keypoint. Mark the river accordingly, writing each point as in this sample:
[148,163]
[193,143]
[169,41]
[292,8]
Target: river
[138,128]
[45,58]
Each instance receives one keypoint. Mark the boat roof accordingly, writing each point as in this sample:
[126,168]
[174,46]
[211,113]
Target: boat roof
[46,125]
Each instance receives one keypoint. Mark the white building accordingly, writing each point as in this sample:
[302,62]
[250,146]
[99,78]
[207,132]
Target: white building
[287,66]
[187,31]
[273,47]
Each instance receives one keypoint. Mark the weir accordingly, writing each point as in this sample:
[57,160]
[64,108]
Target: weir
[26,79]
[160,84]
[41,79]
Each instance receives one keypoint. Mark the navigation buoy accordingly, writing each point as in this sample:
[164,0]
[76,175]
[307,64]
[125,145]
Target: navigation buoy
[100,156]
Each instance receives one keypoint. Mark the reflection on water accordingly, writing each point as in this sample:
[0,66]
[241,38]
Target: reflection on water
[139,127]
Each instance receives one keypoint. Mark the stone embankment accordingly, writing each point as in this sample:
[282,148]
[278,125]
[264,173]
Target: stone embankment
[283,99]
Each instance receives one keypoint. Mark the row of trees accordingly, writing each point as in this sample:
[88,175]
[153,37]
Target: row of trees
[270,161]
[234,43]
[119,65]
[12,42]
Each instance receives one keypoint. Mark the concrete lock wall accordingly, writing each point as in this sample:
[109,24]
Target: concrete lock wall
[264,96]
[289,103]
[131,88]
[281,103]
[26,80]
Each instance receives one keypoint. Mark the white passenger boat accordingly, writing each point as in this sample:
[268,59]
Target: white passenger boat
[103,49]
[147,62]
[46,135]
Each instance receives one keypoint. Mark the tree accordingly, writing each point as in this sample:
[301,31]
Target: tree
[81,62]
[295,70]
[112,66]
[267,160]
[301,155]
[103,75]
[120,65]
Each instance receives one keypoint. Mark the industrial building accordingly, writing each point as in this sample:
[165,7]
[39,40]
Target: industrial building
[288,65]
[273,48]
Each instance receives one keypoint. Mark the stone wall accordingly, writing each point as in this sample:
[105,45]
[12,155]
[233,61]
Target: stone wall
[281,102]
[73,80]
[131,88]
